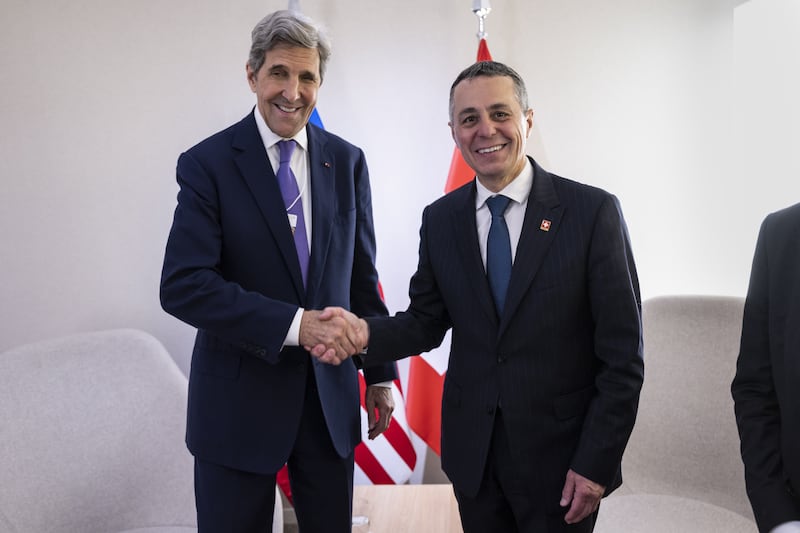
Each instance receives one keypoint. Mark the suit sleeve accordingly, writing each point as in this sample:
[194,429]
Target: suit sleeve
[193,288]
[616,310]
[365,294]
[756,403]
[423,325]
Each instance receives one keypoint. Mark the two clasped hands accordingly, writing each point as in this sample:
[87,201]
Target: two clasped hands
[333,334]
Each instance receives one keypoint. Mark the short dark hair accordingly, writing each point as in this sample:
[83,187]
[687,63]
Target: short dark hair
[491,69]
[288,28]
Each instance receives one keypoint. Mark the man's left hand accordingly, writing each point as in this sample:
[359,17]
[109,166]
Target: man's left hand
[584,495]
[378,397]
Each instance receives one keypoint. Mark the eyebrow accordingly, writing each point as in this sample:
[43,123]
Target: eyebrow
[281,66]
[493,107]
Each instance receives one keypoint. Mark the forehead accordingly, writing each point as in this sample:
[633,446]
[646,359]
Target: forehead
[484,92]
[293,58]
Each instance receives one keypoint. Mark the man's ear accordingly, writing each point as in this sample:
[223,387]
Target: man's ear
[529,120]
[251,76]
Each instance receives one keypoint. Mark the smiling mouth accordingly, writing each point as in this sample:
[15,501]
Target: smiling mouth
[286,109]
[490,149]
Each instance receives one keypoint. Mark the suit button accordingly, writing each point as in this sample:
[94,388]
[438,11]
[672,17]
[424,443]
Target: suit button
[489,410]
[501,358]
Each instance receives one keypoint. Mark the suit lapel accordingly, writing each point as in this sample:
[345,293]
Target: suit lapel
[323,203]
[465,232]
[253,163]
[539,228]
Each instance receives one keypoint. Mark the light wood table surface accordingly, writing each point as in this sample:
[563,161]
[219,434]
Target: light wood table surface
[406,509]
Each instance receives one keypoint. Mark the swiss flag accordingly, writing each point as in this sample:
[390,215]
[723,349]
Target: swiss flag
[426,372]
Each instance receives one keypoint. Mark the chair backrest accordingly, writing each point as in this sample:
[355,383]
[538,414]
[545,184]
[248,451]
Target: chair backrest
[685,442]
[92,436]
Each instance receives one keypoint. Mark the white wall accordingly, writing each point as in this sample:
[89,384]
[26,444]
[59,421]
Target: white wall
[686,110]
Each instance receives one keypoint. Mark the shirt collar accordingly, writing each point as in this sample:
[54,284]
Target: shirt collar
[518,190]
[269,137]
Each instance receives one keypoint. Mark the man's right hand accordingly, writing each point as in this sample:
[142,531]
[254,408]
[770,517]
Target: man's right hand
[333,335]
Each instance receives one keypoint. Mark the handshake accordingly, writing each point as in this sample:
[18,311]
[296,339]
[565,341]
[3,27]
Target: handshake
[333,334]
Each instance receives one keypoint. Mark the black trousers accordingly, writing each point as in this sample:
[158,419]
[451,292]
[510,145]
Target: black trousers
[233,501]
[504,502]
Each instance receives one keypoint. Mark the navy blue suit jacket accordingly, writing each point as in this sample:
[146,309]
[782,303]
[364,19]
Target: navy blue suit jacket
[766,389]
[231,271]
[564,360]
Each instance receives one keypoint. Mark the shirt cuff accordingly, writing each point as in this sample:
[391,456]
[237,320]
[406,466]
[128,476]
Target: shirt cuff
[787,527]
[293,335]
[388,385]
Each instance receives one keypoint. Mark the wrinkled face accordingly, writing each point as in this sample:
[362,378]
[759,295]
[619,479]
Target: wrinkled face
[286,87]
[491,129]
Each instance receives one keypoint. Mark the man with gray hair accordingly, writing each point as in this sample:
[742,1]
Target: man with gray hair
[273,223]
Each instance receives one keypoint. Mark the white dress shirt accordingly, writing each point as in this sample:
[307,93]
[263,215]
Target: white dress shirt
[300,166]
[518,190]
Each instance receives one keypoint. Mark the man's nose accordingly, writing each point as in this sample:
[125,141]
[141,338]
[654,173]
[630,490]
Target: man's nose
[291,89]
[486,128]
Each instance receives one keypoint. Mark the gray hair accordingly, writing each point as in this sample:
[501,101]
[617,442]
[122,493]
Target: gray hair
[491,69]
[288,28]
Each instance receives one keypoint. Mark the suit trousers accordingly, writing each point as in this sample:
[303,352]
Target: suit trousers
[504,501]
[233,501]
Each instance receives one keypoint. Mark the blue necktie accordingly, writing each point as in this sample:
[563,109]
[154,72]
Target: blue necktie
[498,251]
[293,204]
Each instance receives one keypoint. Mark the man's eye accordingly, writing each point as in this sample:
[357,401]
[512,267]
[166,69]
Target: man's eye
[468,120]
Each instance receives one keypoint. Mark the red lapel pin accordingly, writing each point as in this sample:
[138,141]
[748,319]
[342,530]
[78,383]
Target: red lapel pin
[545,225]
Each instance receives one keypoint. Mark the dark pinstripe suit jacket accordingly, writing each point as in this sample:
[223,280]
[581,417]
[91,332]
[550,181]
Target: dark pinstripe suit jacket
[564,359]
[766,389]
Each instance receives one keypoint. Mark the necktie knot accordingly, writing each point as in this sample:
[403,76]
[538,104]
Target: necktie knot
[497,204]
[286,148]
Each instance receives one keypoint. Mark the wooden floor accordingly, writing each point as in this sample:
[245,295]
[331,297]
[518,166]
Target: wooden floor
[405,509]
[397,509]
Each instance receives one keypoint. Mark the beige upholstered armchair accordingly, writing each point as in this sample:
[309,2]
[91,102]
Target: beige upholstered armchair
[682,471]
[92,437]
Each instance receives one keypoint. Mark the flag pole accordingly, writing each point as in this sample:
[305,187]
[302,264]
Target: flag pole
[426,372]
[481,8]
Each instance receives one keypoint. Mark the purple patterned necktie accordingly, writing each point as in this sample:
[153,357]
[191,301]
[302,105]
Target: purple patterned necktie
[293,204]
